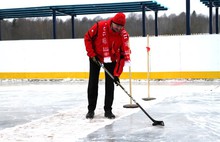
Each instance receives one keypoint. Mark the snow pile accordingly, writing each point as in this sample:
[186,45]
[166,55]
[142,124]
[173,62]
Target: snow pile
[65,126]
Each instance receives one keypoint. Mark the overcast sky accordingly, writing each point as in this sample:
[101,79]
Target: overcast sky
[174,6]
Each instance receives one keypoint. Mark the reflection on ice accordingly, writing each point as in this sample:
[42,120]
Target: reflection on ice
[193,117]
[23,102]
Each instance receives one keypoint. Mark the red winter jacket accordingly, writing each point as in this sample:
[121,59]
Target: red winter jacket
[116,42]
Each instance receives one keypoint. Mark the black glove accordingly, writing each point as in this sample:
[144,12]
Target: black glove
[95,59]
[116,80]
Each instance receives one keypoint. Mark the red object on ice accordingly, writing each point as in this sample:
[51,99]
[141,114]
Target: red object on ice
[148,49]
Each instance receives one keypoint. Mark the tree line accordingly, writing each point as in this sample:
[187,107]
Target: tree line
[42,28]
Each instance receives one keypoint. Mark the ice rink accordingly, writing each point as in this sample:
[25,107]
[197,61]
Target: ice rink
[54,111]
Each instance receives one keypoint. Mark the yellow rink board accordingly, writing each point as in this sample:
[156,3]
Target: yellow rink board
[125,75]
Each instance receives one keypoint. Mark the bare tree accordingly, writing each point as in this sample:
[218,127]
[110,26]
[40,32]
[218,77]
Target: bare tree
[42,28]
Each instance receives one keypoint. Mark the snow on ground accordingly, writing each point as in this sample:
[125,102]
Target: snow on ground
[55,111]
[51,102]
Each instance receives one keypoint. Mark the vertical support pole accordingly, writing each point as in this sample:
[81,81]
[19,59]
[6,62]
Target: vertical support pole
[73,26]
[54,24]
[148,72]
[216,20]
[143,21]
[188,32]
[156,23]
[210,16]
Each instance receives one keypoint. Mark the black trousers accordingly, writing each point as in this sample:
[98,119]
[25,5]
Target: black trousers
[93,86]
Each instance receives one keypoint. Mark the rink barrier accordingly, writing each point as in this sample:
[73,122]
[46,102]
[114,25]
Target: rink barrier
[188,57]
[125,75]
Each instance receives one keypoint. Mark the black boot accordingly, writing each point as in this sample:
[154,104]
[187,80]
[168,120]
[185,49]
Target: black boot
[90,115]
[109,115]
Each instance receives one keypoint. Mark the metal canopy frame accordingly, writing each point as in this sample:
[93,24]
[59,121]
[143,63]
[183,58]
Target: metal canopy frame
[215,3]
[84,9]
[210,4]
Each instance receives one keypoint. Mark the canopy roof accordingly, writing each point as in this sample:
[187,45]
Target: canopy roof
[82,9]
[215,3]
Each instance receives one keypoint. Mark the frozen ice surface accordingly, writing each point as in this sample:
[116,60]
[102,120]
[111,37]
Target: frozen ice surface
[194,118]
[55,111]
[26,101]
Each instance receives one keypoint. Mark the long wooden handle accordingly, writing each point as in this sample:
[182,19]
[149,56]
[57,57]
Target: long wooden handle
[130,83]
[148,67]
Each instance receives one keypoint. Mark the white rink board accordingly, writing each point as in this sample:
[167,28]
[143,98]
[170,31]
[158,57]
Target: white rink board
[168,53]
